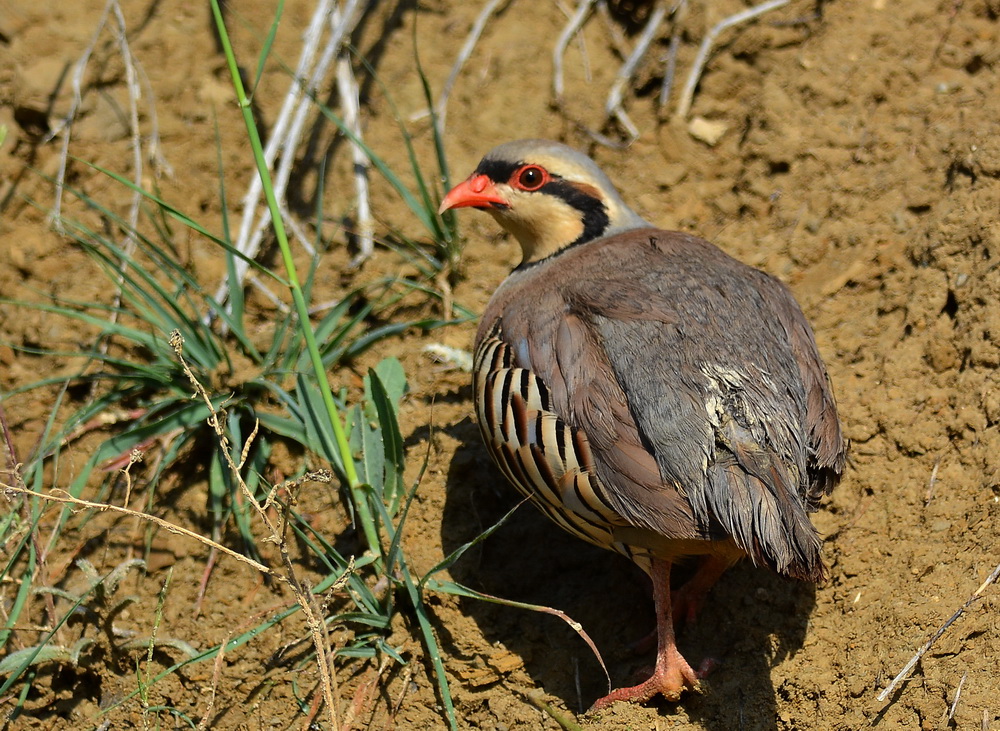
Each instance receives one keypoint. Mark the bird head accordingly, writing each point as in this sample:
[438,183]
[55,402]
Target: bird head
[545,194]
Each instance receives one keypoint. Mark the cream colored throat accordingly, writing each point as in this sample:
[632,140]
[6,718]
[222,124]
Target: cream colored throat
[542,225]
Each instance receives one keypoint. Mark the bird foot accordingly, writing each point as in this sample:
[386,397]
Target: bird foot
[670,679]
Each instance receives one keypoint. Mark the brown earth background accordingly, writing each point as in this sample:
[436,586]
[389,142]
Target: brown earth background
[859,162]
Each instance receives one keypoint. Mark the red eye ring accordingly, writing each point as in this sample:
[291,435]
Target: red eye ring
[530,178]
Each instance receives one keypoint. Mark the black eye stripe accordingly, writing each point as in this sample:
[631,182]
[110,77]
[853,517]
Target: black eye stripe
[499,171]
[593,209]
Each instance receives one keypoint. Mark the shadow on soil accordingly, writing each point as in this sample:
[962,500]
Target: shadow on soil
[752,620]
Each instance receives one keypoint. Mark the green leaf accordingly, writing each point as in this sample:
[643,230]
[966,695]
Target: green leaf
[265,50]
[386,385]
[21,659]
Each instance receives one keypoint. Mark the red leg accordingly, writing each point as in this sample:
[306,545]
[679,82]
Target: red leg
[689,599]
[672,673]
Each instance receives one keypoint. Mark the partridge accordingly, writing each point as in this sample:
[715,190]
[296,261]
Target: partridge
[649,393]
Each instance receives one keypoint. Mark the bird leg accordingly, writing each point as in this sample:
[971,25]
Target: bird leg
[672,673]
[689,599]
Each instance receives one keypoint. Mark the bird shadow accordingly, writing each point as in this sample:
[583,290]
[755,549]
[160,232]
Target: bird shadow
[752,620]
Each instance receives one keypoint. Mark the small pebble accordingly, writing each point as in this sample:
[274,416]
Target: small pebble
[707,131]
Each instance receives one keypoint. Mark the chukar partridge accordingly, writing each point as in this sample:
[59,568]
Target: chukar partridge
[649,393]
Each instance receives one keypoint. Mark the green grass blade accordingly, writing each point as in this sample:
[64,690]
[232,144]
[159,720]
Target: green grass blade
[29,658]
[388,420]
[188,222]
[427,208]
[452,557]
[333,415]
[233,316]
[431,644]
[456,589]
[425,217]
[21,598]
[265,50]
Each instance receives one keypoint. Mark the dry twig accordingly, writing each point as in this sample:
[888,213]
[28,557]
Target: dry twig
[133,73]
[347,88]
[613,106]
[687,95]
[671,68]
[62,497]
[249,237]
[958,694]
[927,646]
[565,36]
[134,94]
[441,108]
[65,127]
[932,482]
[303,594]
[288,130]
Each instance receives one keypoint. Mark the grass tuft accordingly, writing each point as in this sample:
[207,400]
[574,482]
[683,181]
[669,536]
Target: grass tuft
[163,336]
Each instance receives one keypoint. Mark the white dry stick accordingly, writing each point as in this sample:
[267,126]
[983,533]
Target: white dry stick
[342,24]
[671,69]
[134,94]
[132,74]
[932,482]
[569,30]
[248,240]
[285,137]
[350,104]
[687,95]
[65,127]
[958,694]
[923,650]
[441,108]
[288,129]
[624,76]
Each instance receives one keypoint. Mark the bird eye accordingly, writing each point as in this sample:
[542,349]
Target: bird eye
[531,177]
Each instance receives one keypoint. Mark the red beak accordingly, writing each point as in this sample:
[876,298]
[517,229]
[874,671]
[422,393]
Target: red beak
[476,192]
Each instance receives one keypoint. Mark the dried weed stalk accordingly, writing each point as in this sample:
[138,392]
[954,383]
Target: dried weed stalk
[277,531]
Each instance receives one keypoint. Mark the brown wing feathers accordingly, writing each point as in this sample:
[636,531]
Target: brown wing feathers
[539,452]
